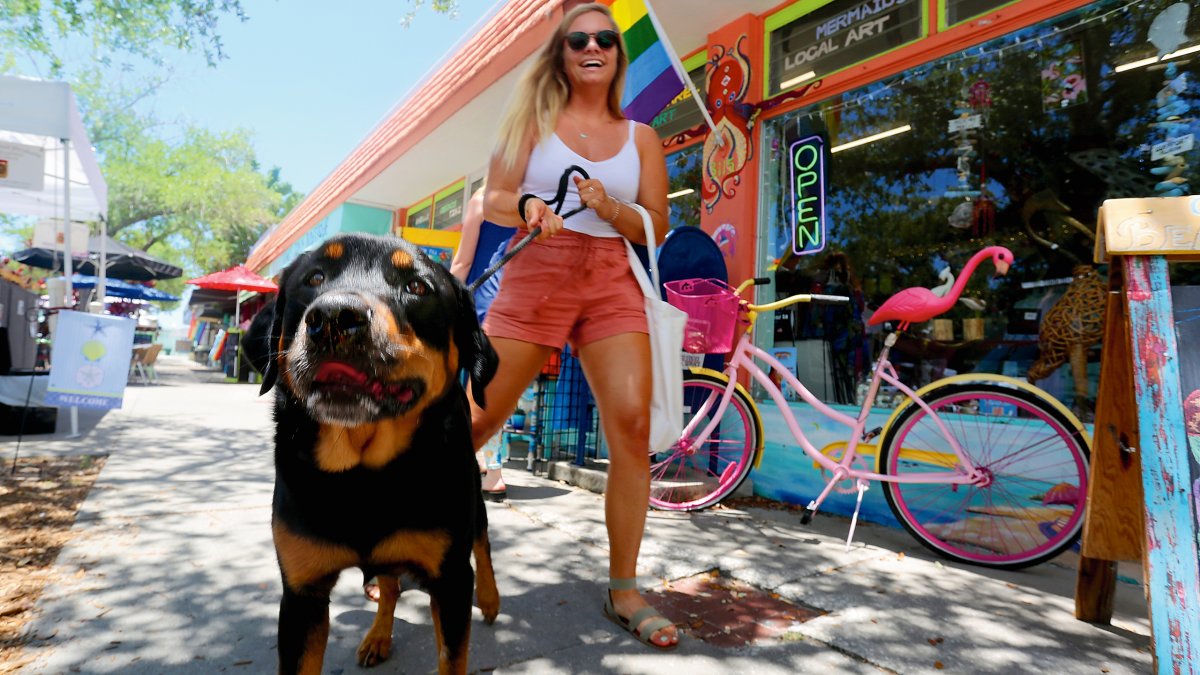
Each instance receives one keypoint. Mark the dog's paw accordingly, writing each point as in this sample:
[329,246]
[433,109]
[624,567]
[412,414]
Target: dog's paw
[375,649]
[490,606]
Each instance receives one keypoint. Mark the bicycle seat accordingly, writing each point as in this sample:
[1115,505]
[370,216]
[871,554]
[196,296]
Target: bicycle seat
[916,304]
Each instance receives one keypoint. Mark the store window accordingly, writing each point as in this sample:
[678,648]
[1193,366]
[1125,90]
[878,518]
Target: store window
[683,194]
[419,216]
[1015,142]
[448,208]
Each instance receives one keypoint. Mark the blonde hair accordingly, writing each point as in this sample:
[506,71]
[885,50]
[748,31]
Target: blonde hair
[544,89]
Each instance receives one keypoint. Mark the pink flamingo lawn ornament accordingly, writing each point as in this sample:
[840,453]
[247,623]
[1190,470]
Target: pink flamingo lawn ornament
[915,305]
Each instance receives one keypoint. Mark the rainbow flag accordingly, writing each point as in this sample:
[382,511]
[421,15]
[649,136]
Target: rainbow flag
[654,77]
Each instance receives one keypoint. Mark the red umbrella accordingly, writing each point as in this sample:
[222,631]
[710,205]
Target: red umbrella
[236,278]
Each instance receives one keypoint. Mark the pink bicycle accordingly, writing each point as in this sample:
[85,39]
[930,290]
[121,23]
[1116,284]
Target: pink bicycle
[980,468]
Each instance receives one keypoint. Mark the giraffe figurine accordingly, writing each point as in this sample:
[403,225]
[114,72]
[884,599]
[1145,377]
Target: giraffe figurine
[1070,327]
[1076,321]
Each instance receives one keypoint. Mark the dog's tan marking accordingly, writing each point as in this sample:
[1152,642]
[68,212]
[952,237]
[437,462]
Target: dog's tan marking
[376,645]
[305,561]
[388,438]
[335,451]
[314,649]
[420,548]
[334,250]
[373,445]
[401,258]
[448,665]
[485,579]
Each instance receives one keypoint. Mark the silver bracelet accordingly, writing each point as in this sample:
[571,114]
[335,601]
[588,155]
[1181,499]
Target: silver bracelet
[617,212]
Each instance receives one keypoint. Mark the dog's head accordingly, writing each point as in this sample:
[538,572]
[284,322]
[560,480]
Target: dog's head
[367,328]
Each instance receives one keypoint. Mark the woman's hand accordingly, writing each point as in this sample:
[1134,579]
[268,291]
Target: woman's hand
[538,213]
[593,195]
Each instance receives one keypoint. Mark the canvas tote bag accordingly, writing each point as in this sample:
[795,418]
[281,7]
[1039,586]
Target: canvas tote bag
[666,343]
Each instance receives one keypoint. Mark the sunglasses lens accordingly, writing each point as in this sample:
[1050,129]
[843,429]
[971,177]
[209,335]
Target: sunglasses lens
[577,41]
[605,39]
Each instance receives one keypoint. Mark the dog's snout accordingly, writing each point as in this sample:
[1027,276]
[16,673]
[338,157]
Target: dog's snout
[337,319]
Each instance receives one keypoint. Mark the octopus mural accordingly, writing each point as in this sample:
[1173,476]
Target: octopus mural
[728,148]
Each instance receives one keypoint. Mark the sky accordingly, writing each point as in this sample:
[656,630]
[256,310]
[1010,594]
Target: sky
[311,78]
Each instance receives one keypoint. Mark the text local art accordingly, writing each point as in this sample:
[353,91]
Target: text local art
[826,31]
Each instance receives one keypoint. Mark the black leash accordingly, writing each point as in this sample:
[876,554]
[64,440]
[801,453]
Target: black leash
[560,198]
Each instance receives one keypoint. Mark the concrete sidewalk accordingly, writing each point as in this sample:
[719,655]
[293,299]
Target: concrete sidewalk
[173,570]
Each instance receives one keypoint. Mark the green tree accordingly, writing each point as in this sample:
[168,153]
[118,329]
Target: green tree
[40,29]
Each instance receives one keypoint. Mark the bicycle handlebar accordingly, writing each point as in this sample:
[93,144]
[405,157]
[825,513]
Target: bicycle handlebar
[790,300]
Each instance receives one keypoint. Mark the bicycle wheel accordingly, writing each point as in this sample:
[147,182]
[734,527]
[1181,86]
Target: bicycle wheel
[1029,511]
[690,476]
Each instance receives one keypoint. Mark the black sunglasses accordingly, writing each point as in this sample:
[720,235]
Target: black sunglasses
[579,40]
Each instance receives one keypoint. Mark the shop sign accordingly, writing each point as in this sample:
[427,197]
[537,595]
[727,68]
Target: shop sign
[958,11]
[1171,147]
[22,166]
[448,210]
[807,192]
[965,123]
[682,113]
[840,35]
[1149,226]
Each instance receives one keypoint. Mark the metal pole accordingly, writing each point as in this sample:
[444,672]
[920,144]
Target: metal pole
[102,267]
[237,322]
[70,295]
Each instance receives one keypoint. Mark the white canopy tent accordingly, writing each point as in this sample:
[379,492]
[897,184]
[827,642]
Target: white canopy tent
[47,165]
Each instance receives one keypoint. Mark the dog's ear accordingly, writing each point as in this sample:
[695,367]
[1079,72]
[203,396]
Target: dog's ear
[475,352]
[256,343]
[274,337]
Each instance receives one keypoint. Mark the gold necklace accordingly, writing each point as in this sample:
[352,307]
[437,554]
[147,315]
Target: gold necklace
[578,127]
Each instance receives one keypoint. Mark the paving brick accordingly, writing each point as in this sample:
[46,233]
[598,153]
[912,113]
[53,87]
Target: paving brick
[728,613]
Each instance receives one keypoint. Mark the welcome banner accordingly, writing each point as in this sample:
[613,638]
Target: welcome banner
[89,360]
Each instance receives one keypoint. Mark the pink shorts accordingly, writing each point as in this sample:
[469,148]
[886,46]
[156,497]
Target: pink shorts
[570,288]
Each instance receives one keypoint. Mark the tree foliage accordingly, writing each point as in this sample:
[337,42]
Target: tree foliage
[39,29]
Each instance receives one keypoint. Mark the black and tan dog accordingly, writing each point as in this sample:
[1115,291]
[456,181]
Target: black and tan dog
[374,466]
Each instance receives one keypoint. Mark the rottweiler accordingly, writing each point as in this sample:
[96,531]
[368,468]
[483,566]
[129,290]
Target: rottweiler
[374,465]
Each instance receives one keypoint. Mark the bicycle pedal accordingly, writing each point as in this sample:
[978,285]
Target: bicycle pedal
[867,436]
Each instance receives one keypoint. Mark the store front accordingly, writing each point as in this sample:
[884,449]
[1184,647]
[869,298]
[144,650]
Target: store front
[1015,141]
[860,147]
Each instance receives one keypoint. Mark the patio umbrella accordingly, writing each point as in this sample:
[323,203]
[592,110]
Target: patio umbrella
[236,278]
[122,261]
[121,289]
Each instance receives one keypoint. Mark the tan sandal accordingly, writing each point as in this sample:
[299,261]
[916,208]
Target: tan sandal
[656,621]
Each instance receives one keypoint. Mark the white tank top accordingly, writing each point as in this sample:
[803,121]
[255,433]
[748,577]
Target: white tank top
[620,175]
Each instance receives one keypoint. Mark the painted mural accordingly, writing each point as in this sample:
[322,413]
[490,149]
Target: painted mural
[728,148]
[1187,325]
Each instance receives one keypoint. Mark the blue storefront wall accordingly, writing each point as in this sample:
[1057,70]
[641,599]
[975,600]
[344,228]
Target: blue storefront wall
[788,475]
[345,218]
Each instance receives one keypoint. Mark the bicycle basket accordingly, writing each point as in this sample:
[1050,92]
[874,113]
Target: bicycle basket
[712,309]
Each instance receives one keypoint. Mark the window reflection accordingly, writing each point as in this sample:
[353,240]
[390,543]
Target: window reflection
[1013,142]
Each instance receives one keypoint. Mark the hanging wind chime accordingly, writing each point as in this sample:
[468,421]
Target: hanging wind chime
[1171,109]
[976,211]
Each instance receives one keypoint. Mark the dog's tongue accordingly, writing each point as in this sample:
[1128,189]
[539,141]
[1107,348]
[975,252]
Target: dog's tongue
[340,372]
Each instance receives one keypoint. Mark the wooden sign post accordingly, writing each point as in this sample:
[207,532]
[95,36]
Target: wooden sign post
[1140,421]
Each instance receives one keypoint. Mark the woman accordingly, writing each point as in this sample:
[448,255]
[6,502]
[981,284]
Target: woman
[575,283]
[491,456]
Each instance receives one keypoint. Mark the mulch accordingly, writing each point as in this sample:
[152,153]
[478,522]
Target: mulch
[38,504]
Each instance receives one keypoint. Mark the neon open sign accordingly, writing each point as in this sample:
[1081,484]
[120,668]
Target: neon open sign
[807,157]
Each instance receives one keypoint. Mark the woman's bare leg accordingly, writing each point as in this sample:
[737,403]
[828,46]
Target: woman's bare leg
[618,373]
